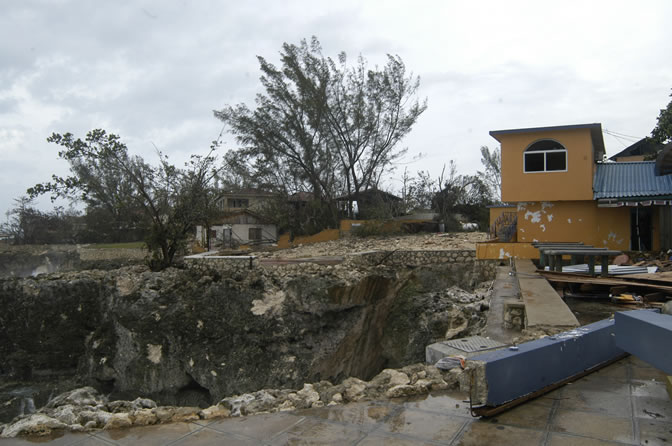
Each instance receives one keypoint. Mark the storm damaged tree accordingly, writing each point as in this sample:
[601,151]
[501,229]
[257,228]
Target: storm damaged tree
[170,201]
[323,127]
[492,175]
[662,132]
[467,195]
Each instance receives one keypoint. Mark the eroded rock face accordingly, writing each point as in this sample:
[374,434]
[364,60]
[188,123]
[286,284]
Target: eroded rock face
[191,339]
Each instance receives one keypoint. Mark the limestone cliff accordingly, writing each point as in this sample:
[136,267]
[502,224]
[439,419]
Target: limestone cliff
[191,338]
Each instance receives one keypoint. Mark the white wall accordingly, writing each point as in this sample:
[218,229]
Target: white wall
[240,232]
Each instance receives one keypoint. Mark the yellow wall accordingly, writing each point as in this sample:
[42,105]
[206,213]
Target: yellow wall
[488,250]
[496,211]
[385,226]
[574,221]
[574,184]
[323,236]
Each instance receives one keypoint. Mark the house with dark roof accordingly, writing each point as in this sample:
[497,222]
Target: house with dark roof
[639,151]
[562,191]
[370,204]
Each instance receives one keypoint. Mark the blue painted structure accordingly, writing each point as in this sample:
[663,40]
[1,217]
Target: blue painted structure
[630,180]
[647,335]
[538,364]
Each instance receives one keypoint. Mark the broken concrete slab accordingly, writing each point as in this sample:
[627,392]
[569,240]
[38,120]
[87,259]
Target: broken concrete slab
[544,308]
[466,347]
[647,335]
[502,376]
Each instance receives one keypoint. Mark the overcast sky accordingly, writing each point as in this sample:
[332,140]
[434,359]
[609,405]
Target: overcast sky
[153,71]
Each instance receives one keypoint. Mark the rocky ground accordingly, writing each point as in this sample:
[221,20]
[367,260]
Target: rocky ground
[415,242]
[85,409]
[190,338]
[183,339]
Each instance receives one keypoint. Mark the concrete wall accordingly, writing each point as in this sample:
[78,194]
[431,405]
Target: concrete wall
[574,184]
[480,269]
[241,233]
[488,250]
[112,253]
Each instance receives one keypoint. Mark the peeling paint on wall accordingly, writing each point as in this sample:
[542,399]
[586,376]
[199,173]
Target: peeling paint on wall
[569,220]
[522,206]
[543,228]
[550,217]
[503,254]
[535,216]
[546,204]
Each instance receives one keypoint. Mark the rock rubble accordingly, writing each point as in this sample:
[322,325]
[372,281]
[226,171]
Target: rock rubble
[84,409]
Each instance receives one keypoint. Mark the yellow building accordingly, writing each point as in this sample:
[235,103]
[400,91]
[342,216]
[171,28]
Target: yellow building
[558,189]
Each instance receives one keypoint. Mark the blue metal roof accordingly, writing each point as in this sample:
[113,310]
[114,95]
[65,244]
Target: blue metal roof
[629,180]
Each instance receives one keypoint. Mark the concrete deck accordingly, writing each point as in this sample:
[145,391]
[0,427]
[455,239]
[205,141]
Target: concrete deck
[543,306]
[625,403]
[504,289]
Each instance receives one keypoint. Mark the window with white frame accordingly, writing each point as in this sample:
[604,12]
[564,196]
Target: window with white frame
[545,156]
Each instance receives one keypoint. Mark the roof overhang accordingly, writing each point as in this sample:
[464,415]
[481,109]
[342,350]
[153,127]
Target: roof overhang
[595,134]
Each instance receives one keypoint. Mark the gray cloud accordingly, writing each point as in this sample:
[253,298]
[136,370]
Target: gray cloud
[154,71]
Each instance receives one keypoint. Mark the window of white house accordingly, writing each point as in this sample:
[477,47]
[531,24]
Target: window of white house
[238,202]
[545,156]
[254,233]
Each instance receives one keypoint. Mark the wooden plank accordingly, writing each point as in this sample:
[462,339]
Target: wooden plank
[577,278]
[584,251]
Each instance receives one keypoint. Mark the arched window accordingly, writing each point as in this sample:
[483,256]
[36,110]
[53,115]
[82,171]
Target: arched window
[545,156]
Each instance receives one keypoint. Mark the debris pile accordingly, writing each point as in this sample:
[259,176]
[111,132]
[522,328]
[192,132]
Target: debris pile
[85,409]
[416,242]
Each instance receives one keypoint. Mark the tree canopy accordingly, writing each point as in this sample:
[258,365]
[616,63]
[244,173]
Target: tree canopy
[170,201]
[492,175]
[323,126]
[662,132]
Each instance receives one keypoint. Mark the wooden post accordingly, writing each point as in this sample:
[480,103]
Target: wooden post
[591,265]
[605,266]
[558,262]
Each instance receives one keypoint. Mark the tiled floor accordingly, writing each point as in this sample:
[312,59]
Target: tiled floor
[625,403]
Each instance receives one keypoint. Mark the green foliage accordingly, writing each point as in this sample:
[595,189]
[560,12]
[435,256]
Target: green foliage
[462,194]
[168,200]
[322,125]
[492,175]
[662,132]
[27,225]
